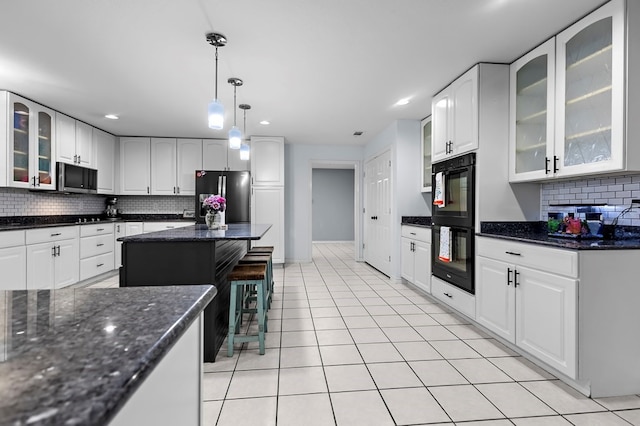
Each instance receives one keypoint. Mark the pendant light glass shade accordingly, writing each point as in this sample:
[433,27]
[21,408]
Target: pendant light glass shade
[244,152]
[216,109]
[235,138]
[216,115]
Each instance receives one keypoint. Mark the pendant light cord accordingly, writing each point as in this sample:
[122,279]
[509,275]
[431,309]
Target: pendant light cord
[216,73]
[234,104]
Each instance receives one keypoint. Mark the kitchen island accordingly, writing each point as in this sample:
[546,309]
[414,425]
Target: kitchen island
[94,356]
[190,255]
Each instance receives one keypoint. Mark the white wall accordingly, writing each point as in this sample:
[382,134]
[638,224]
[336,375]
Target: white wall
[298,161]
[333,204]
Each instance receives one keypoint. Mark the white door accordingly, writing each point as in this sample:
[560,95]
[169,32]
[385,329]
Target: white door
[105,145]
[268,208]
[464,97]
[407,259]
[422,260]
[65,139]
[135,155]
[84,144]
[163,166]
[189,152]
[378,213]
[214,154]
[41,273]
[67,263]
[546,311]
[495,297]
[13,264]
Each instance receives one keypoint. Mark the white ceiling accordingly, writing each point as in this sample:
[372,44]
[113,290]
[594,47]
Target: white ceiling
[318,70]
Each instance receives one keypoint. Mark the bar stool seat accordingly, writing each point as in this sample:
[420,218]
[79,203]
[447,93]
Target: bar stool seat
[262,249]
[241,279]
[266,259]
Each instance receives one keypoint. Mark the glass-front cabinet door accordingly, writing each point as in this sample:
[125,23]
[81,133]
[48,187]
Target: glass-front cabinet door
[532,114]
[426,154]
[31,162]
[590,93]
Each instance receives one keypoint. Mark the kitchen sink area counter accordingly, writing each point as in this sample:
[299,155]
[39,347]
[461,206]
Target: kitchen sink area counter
[90,356]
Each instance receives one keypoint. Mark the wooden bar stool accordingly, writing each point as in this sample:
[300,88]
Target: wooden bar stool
[266,250]
[262,258]
[241,278]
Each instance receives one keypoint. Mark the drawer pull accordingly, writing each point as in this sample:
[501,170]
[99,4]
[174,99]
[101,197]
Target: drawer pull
[56,234]
[412,233]
[100,229]
[513,253]
[99,244]
[448,295]
[100,264]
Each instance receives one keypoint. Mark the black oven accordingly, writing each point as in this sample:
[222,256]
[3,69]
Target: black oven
[455,262]
[457,176]
[453,218]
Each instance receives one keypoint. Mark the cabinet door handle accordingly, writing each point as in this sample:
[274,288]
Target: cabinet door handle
[448,295]
[56,234]
[53,251]
[79,161]
[75,159]
[174,189]
[515,278]
[546,165]
[118,228]
[178,188]
[513,253]
[147,189]
[555,163]
[58,251]
[509,271]
[38,180]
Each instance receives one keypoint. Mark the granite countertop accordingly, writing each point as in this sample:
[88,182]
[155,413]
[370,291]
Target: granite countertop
[75,356]
[200,232]
[424,221]
[11,223]
[536,233]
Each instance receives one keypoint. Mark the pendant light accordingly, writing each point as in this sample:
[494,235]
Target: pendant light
[235,135]
[244,148]
[216,109]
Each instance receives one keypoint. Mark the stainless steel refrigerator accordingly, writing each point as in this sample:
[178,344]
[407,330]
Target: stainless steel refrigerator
[234,186]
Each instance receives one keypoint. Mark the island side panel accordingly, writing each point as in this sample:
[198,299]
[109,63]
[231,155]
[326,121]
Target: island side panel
[158,263]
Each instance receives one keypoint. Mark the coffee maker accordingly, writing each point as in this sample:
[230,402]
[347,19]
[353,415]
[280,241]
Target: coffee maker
[111,210]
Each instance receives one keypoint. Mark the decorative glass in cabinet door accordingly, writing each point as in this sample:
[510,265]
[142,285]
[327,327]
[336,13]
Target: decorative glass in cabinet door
[426,160]
[45,159]
[20,142]
[531,115]
[588,102]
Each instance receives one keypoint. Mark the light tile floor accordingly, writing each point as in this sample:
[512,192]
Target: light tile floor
[347,346]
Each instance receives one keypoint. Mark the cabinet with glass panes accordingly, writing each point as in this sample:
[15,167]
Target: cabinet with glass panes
[425,130]
[30,142]
[575,125]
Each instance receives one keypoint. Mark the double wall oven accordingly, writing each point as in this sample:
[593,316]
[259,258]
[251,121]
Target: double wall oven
[453,221]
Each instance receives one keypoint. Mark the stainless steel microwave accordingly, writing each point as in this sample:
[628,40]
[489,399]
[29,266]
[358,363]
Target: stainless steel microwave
[77,179]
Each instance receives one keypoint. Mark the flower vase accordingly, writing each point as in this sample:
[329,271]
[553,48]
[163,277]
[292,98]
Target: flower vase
[213,220]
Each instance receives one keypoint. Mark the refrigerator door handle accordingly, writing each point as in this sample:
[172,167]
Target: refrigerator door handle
[220,185]
[224,186]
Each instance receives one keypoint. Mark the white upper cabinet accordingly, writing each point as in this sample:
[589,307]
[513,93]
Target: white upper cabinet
[105,146]
[532,114]
[30,149]
[568,101]
[163,166]
[75,141]
[135,165]
[267,160]
[216,155]
[189,159]
[590,59]
[455,117]
[425,148]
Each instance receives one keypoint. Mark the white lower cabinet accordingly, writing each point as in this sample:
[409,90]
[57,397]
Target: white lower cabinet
[534,309]
[416,256]
[13,260]
[96,250]
[52,257]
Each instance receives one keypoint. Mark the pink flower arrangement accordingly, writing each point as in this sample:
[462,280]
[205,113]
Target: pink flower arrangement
[214,203]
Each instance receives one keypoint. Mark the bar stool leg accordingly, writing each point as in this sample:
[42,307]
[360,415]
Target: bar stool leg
[262,314]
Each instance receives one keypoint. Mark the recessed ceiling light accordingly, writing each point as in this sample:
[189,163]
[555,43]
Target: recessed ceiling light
[403,101]
[111,116]
[265,122]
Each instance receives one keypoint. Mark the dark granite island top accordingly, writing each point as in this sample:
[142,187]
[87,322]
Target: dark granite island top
[200,232]
[76,356]
[190,255]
